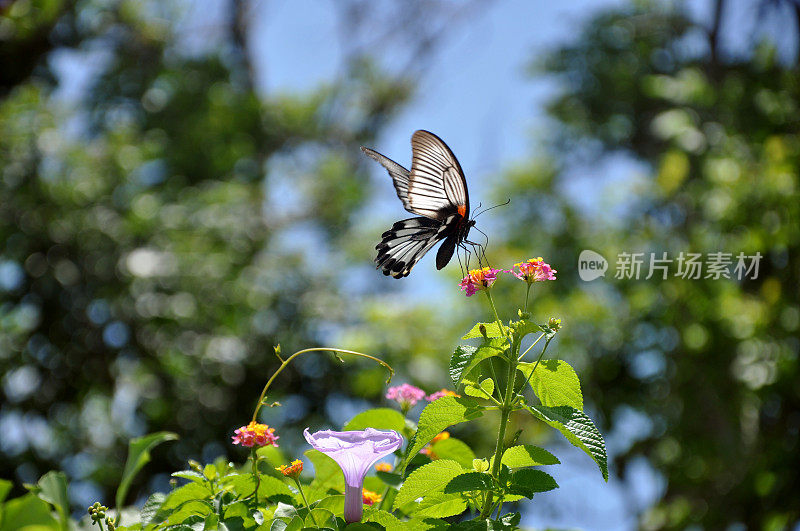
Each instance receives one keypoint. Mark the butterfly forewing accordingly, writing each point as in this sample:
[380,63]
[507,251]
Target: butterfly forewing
[398,174]
[436,185]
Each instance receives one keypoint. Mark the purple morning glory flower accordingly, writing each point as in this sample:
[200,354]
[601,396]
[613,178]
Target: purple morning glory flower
[355,452]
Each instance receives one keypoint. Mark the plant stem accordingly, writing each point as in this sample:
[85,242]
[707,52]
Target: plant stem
[300,488]
[530,347]
[314,349]
[505,413]
[256,476]
[527,294]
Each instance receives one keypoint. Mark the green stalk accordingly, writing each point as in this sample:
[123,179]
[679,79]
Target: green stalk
[530,347]
[300,488]
[315,349]
[256,476]
[527,294]
[505,413]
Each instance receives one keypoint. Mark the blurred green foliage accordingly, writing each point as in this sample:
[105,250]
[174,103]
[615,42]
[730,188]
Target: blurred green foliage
[156,233]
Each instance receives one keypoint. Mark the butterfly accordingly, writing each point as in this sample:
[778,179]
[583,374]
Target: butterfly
[435,189]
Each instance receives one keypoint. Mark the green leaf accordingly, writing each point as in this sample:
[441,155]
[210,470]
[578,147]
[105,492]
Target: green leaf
[321,516]
[138,456]
[527,455]
[269,488]
[52,488]
[191,475]
[469,482]
[455,450]
[151,507]
[484,391]
[527,482]
[278,525]
[440,505]
[437,416]
[389,478]
[5,488]
[334,504]
[296,524]
[380,419]
[427,479]
[523,327]
[327,476]
[28,511]
[391,523]
[578,429]
[459,361]
[554,382]
[464,361]
[492,330]
[508,522]
[191,492]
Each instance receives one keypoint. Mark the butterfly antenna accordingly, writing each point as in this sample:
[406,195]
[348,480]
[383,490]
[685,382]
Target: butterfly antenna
[490,208]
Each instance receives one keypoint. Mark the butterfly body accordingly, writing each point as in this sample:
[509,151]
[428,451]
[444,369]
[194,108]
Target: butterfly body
[436,191]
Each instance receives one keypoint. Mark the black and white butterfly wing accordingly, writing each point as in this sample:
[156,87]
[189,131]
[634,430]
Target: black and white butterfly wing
[398,174]
[437,188]
[407,242]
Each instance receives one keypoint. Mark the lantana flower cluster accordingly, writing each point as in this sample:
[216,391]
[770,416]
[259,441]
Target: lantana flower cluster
[255,434]
[530,271]
[408,395]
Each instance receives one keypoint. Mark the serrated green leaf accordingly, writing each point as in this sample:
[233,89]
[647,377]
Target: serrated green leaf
[554,382]
[455,450]
[151,507]
[527,455]
[269,488]
[278,525]
[523,327]
[385,519]
[427,479]
[527,482]
[191,475]
[578,429]
[508,522]
[468,482]
[484,390]
[191,492]
[210,471]
[380,419]
[440,505]
[492,330]
[437,416]
[459,361]
[138,456]
[464,365]
[52,488]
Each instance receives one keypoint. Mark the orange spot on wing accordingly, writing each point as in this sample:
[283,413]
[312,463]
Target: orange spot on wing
[462,210]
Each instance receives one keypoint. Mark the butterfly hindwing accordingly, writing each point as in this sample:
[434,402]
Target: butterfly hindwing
[406,243]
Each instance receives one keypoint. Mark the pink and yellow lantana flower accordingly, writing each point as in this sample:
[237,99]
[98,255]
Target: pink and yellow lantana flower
[406,395]
[534,270]
[255,434]
[478,279]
